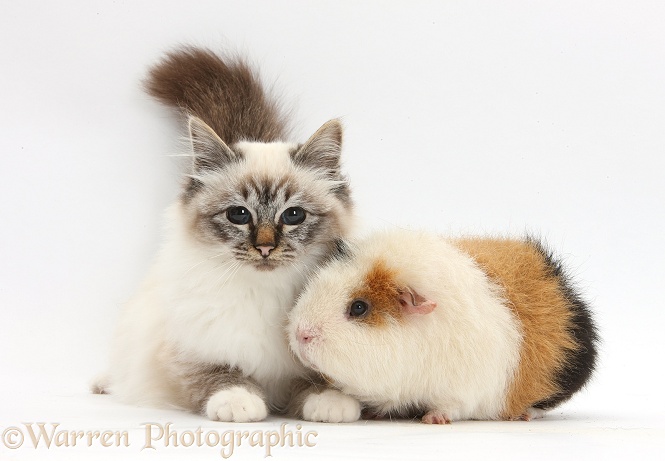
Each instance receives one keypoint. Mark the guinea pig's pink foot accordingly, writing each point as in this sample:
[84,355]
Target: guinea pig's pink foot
[532,413]
[436,417]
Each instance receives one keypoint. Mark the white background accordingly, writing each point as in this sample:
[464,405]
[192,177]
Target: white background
[483,117]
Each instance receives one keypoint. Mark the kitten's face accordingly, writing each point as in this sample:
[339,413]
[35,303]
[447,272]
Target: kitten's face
[267,207]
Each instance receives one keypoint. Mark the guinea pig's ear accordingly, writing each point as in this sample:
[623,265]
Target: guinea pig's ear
[413,303]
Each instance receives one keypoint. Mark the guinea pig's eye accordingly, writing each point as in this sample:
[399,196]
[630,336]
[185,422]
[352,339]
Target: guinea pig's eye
[293,216]
[238,215]
[359,308]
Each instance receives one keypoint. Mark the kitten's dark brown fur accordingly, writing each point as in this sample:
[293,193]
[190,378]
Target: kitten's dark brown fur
[226,94]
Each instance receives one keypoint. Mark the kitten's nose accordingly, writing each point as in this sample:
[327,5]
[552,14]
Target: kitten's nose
[265,249]
[306,335]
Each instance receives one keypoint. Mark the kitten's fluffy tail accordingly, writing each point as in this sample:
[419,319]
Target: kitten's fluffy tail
[225,92]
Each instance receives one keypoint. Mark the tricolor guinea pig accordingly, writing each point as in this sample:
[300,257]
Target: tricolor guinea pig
[450,329]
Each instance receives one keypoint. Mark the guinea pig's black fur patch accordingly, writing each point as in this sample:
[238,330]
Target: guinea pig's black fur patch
[581,362]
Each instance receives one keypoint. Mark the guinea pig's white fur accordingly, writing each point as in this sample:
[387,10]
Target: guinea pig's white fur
[458,359]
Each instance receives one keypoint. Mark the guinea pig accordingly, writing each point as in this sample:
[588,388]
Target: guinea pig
[411,322]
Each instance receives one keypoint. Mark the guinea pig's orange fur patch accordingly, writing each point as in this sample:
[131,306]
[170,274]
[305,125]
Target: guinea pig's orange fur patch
[381,290]
[536,299]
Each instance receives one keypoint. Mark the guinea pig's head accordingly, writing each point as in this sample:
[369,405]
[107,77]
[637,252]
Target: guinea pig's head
[353,319]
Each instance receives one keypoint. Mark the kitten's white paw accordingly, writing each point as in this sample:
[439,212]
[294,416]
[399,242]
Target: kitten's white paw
[236,404]
[331,406]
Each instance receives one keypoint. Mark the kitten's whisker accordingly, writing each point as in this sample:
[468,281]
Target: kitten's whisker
[232,275]
[235,270]
[226,279]
[298,269]
[226,264]
[201,262]
[228,270]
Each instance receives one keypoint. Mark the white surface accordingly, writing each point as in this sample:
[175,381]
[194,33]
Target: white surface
[490,117]
[564,434]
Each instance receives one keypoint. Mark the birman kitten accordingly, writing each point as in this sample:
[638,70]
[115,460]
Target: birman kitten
[257,214]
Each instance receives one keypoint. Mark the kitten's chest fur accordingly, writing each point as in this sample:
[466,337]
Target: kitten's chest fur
[218,311]
[240,323]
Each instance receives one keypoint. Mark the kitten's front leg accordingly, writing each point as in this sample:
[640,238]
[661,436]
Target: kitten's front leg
[314,400]
[222,393]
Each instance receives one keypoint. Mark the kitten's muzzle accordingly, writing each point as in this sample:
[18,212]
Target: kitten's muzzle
[265,240]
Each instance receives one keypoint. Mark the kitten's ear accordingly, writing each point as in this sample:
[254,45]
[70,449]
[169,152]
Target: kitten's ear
[323,149]
[210,152]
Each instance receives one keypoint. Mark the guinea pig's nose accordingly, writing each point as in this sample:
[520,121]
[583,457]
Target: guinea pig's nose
[306,335]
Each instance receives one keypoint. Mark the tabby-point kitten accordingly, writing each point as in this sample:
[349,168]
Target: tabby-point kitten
[256,215]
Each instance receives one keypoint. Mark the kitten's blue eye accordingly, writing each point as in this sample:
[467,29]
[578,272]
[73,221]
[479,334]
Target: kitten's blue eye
[238,215]
[359,308]
[292,216]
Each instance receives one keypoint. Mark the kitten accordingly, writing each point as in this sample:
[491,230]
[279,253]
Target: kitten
[205,331]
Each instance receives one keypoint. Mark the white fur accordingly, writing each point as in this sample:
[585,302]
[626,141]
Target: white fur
[534,413]
[209,308]
[458,359]
[201,304]
[267,159]
[331,406]
[236,404]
